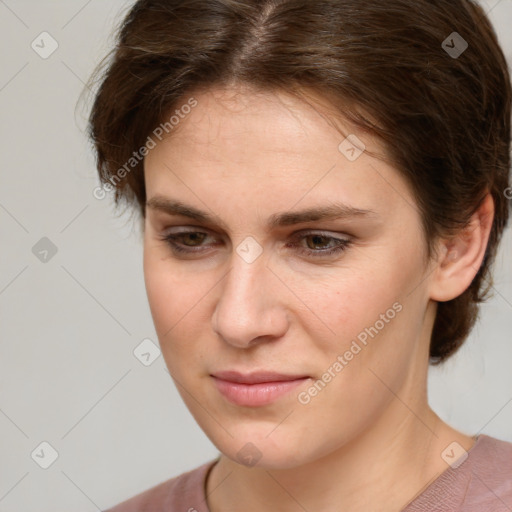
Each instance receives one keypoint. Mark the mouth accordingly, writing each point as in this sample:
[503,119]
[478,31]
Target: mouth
[255,389]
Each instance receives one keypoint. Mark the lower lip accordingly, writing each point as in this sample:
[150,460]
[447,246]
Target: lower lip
[254,395]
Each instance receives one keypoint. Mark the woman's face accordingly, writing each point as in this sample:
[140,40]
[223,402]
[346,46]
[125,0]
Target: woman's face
[288,332]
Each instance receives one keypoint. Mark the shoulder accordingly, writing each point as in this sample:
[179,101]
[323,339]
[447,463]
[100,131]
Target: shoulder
[479,480]
[495,450]
[491,470]
[489,477]
[185,492]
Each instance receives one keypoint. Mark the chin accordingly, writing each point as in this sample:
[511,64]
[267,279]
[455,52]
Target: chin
[254,447]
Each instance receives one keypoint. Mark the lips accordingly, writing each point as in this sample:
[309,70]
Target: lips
[256,377]
[257,388]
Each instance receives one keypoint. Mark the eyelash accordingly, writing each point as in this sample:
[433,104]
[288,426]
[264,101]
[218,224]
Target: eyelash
[341,244]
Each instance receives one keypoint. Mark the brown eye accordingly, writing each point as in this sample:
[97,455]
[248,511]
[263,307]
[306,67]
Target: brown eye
[193,237]
[321,245]
[186,241]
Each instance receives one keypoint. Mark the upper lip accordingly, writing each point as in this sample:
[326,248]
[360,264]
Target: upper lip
[256,377]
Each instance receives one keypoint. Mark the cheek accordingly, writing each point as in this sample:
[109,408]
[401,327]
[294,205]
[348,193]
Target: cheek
[379,340]
[160,291]
[371,315]
[178,304]
[340,304]
[166,293]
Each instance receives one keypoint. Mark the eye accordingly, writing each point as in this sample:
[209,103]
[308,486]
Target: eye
[189,242]
[186,241]
[329,245]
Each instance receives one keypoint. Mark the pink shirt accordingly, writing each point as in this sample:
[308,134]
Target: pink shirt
[482,483]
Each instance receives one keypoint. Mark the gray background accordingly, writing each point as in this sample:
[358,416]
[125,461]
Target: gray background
[69,325]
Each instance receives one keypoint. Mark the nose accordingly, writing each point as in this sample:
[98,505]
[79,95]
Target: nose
[249,310]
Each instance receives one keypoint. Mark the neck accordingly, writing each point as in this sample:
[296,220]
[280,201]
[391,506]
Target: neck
[382,469]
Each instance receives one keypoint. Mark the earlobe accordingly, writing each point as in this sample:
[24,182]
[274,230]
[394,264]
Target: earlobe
[461,256]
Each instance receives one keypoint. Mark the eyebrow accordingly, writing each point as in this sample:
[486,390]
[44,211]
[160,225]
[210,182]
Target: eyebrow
[335,211]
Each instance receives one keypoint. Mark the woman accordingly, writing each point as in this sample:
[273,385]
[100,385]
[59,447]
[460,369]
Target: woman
[323,185]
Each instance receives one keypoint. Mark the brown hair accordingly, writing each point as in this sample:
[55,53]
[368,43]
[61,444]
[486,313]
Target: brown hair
[444,118]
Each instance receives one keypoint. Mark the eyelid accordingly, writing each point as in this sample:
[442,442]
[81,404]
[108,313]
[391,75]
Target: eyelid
[297,234]
[322,232]
[341,243]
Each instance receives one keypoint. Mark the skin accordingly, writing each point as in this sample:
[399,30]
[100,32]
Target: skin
[368,440]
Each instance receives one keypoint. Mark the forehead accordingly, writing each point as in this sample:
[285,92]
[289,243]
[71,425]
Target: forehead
[271,147]
[268,121]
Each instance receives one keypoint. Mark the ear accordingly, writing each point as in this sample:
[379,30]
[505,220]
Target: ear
[461,256]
